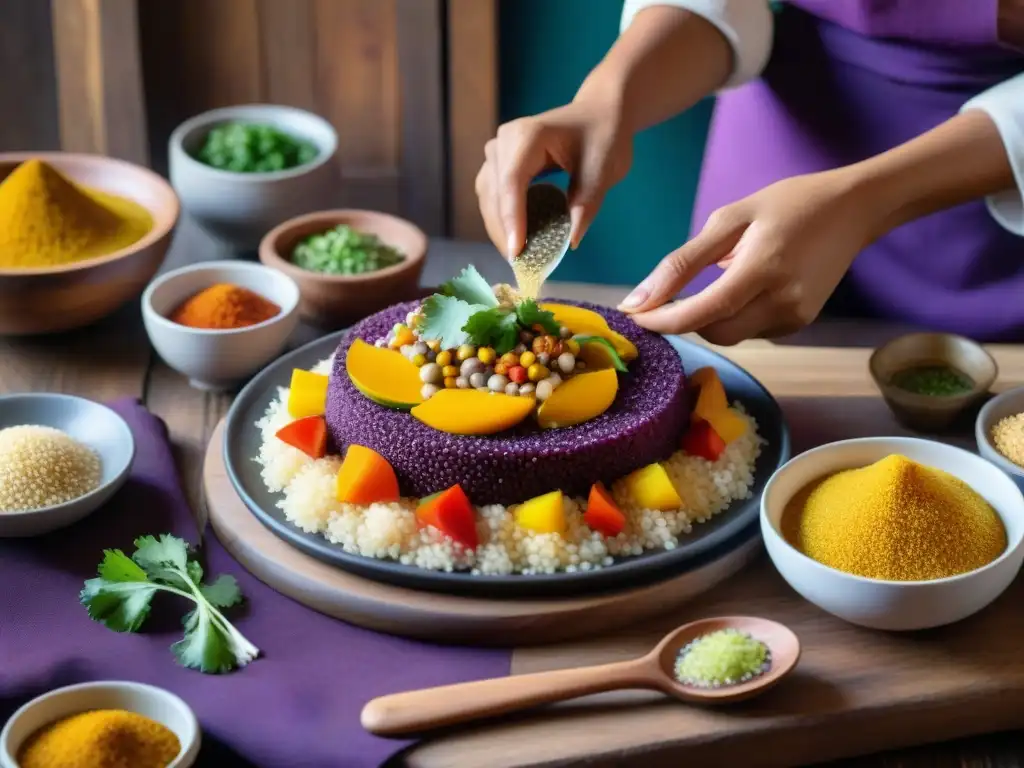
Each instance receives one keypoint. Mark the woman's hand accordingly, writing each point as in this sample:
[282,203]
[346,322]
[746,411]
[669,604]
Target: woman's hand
[584,138]
[784,250]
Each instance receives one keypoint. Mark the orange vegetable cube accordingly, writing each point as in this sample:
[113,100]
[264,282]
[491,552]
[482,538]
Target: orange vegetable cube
[603,514]
[308,394]
[702,440]
[365,477]
[711,397]
[309,435]
[450,512]
[728,424]
[652,488]
[542,514]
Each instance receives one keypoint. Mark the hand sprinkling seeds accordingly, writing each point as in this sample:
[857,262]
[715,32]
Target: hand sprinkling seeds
[547,234]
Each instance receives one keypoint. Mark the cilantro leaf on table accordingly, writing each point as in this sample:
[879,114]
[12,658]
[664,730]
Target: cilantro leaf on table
[121,594]
[495,327]
[444,318]
[530,314]
[471,287]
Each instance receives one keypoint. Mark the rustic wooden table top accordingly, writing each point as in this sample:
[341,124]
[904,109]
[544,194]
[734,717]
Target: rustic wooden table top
[114,359]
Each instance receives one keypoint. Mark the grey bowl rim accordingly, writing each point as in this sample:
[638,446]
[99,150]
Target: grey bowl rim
[91,497]
[219,115]
[983,440]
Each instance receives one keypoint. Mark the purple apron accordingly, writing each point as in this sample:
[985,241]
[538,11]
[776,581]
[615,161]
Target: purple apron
[849,79]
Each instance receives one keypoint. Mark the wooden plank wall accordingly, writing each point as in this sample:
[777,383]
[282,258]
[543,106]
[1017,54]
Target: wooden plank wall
[27,85]
[373,68]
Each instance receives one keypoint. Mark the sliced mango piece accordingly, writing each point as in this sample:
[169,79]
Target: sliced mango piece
[472,412]
[584,322]
[365,477]
[450,512]
[307,395]
[542,514]
[603,514]
[729,425]
[599,353]
[651,488]
[384,375]
[711,397]
[581,398]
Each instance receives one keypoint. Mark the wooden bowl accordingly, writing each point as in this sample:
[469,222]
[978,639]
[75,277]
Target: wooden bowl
[51,299]
[333,301]
[923,412]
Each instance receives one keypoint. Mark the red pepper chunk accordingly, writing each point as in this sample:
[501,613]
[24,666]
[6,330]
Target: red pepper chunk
[452,513]
[702,440]
[603,515]
[308,434]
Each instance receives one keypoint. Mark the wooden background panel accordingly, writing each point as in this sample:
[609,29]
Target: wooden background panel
[373,68]
[27,85]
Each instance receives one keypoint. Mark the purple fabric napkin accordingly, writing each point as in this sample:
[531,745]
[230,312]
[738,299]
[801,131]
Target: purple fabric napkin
[297,706]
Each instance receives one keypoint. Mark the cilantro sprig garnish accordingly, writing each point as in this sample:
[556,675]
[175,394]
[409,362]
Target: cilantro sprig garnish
[120,598]
[467,312]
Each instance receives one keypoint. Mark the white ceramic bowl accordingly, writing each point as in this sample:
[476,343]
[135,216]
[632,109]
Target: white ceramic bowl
[219,359]
[1008,403]
[89,423]
[240,208]
[147,700]
[894,605]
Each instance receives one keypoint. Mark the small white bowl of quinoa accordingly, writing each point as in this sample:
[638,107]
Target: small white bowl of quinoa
[61,458]
[999,430]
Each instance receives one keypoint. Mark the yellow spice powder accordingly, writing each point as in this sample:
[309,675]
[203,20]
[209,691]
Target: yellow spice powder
[895,520]
[102,738]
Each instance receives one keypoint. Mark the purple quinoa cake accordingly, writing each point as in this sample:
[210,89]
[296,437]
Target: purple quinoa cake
[642,426]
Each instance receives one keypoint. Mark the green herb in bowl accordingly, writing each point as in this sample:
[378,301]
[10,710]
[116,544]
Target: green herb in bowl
[344,251]
[251,148]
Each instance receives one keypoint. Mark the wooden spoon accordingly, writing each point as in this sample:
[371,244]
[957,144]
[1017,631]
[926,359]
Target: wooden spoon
[416,712]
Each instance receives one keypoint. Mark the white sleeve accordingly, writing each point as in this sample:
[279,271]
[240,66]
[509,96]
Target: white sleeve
[746,24]
[1004,103]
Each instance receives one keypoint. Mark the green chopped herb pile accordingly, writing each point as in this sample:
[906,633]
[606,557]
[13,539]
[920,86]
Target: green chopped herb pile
[467,312]
[249,148]
[120,597]
[344,251]
[933,381]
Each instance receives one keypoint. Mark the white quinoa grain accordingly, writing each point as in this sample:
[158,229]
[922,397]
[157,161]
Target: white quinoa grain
[1008,437]
[42,466]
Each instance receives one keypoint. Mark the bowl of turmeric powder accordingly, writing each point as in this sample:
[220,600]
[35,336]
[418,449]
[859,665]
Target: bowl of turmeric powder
[80,236]
[894,533]
[102,723]
[219,322]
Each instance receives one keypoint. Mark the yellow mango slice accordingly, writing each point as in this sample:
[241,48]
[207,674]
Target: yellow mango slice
[384,375]
[542,514]
[584,322]
[307,395]
[711,398]
[598,353]
[581,398]
[728,425]
[472,412]
[651,488]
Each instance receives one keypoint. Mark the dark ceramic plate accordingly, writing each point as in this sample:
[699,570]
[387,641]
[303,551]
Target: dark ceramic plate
[722,534]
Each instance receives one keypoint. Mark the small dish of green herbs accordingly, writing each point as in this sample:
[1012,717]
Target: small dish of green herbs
[252,148]
[344,251]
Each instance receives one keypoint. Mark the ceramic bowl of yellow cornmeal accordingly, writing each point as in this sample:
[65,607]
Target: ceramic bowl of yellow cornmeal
[894,533]
[80,236]
[102,723]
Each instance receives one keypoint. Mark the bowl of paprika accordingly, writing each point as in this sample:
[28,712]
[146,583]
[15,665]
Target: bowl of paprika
[219,322]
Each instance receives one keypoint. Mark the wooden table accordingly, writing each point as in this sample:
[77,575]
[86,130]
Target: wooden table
[113,359]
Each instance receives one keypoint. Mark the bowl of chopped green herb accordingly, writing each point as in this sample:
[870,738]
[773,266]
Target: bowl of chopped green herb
[239,171]
[347,263]
[929,380]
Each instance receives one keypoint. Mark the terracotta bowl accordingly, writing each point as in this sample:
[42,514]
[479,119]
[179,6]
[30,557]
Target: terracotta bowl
[52,299]
[333,301]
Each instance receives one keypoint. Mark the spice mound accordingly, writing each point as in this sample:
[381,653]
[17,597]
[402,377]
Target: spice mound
[107,738]
[42,466]
[224,307]
[1008,438]
[48,220]
[725,657]
[895,520]
[933,381]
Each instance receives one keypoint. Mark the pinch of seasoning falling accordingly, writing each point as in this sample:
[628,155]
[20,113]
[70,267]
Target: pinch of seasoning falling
[725,657]
[547,229]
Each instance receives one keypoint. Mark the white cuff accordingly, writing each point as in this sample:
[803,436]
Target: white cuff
[1004,103]
[746,24]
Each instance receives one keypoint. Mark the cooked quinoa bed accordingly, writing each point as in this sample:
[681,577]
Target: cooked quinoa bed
[389,531]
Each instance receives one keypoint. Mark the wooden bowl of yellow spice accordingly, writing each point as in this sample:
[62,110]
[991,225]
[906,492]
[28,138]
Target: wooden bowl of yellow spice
[102,723]
[80,236]
[894,533]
